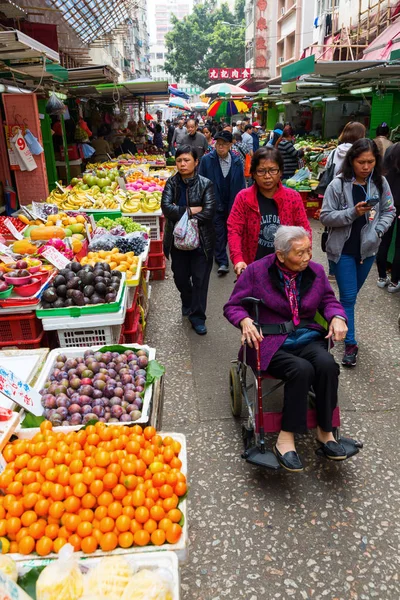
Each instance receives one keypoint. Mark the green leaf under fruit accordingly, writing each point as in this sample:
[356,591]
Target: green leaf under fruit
[154,370]
[31,421]
[28,581]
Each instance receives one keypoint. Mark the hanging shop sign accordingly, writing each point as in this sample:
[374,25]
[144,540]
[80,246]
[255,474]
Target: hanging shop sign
[11,131]
[229,73]
[261,52]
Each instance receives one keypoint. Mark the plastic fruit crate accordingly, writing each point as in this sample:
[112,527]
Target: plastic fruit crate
[20,327]
[132,318]
[158,273]
[150,220]
[33,344]
[156,246]
[156,261]
[135,336]
[89,336]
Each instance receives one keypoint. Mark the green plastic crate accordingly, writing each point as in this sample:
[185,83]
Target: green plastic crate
[99,214]
[90,309]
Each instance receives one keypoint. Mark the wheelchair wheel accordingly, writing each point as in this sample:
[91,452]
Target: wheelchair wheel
[235,392]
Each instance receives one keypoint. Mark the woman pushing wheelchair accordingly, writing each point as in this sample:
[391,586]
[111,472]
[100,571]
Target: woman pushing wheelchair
[293,347]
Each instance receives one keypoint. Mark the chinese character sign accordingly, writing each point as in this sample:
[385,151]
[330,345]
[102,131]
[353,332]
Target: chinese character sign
[229,73]
[20,392]
[261,54]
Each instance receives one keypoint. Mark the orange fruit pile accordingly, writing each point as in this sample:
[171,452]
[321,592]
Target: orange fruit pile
[100,487]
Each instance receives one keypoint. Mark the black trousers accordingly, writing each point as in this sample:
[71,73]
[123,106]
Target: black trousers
[192,269]
[381,257]
[221,238]
[302,368]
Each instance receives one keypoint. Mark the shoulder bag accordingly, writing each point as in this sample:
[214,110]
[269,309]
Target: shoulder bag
[186,232]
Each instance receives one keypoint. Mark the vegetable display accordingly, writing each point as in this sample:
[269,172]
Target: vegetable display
[105,486]
[127,223]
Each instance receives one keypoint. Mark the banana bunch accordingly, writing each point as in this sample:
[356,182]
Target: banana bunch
[76,201]
[57,197]
[150,204]
[132,205]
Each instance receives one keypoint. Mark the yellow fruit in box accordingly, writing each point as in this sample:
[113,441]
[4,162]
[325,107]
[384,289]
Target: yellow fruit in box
[76,246]
[23,247]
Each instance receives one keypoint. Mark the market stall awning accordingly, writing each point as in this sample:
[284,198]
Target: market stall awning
[94,75]
[15,46]
[175,92]
[90,19]
[384,44]
[147,89]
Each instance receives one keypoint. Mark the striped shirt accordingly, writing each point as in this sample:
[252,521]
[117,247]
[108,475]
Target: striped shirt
[225,164]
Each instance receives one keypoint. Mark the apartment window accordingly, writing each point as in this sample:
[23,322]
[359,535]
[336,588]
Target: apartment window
[290,44]
[160,55]
[249,52]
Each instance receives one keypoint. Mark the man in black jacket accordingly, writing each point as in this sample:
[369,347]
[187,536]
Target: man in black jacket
[170,135]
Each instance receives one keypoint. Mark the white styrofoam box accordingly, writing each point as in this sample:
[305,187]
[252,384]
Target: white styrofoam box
[165,560]
[72,353]
[27,363]
[181,548]
[88,321]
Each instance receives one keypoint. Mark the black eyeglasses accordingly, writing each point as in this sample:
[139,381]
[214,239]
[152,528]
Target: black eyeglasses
[263,172]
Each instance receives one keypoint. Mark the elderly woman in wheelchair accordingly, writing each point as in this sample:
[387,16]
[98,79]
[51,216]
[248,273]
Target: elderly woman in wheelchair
[289,290]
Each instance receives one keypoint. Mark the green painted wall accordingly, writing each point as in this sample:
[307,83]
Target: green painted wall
[45,124]
[272,117]
[381,111]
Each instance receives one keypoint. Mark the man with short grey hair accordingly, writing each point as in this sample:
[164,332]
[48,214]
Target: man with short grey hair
[195,139]
[179,134]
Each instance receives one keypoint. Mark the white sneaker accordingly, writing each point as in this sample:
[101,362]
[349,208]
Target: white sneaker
[382,283]
[394,287]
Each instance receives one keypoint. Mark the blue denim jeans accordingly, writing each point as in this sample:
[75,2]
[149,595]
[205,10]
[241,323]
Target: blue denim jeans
[350,277]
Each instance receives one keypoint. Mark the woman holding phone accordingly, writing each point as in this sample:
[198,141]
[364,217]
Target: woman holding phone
[357,209]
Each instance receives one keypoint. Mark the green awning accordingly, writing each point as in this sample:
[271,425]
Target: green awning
[306,66]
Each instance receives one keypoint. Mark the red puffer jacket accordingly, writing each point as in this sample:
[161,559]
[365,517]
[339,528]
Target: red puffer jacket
[245,219]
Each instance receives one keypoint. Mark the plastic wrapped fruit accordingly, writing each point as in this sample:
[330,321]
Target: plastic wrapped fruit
[148,585]
[8,567]
[109,578]
[61,579]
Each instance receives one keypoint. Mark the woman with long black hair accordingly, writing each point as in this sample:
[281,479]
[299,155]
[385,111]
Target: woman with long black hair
[358,210]
[391,167]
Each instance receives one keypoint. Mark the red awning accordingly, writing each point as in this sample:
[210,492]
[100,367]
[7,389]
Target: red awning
[384,44]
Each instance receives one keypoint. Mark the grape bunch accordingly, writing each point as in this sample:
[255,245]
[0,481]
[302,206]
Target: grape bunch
[135,244]
[127,223]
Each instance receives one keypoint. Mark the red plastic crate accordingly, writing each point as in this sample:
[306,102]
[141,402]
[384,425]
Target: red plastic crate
[134,337]
[156,246]
[157,273]
[20,327]
[132,317]
[156,261]
[39,342]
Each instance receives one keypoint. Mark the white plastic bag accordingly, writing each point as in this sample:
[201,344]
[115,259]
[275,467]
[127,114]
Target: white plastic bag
[186,233]
[62,578]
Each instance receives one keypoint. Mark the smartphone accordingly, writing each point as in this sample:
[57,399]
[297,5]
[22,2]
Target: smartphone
[372,201]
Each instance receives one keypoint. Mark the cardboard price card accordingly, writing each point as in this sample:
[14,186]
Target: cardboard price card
[13,230]
[55,258]
[20,392]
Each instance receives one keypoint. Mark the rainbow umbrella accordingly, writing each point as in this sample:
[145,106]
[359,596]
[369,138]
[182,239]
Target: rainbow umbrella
[227,108]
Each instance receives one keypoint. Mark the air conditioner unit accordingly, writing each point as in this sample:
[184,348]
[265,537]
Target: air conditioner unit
[282,11]
[281,59]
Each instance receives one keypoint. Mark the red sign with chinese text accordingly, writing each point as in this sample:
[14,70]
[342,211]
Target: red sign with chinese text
[229,73]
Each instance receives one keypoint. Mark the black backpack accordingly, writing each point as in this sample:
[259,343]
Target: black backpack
[327,177]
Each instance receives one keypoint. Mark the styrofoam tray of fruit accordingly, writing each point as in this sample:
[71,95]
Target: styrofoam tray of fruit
[167,561]
[136,278]
[180,548]
[89,309]
[88,320]
[71,353]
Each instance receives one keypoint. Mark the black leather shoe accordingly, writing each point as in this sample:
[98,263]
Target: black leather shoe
[200,329]
[289,461]
[333,450]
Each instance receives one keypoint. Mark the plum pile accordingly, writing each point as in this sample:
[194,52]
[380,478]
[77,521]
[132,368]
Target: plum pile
[107,386]
[78,286]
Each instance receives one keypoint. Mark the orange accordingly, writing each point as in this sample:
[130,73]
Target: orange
[30,500]
[141,538]
[15,488]
[159,479]
[26,545]
[47,486]
[157,513]
[150,526]
[75,541]
[21,533]
[45,465]
[129,481]
[64,533]
[72,504]
[42,507]
[51,474]
[168,454]
[51,531]
[28,517]
[170,503]
[58,544]
[84,529]
[180,488]
[165,524]
[128,468]
[16,509]
[86,514]
[72,522]
[153,493]
[89,544]
[133,447]
[119,491]
[140,467]
[28,476]
[76,478]
[93,439]
[135,526]
[125,539]
[100,512]
[13,547]
[172,479]
[129,511]
[76,466]
[166,491]
[150,432]
[123,523]
[97,534]
[8,453]
[107,524]
[36,530]
[88,501]
[137,429]
[105,434]
[174,515]
[174,533]
[88,476]
[22,461]
[80,489]
[138,498]
[148,457]
[158,537]
[105,499]
[175,463]
[96,487]
[13,525]
[142,514]
[102,458]
[57,510]
[114,468]
[109,542]
[110,480]
[114,510]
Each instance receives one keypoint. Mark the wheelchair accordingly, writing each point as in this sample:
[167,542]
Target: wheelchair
[245,383]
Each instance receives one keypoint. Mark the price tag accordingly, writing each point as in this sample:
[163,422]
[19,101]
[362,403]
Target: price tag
[91,198]
[89,234]
[12,229]
[20,392]
[121,183]
[92,222]
[7,260]
[5,249]
[60,186]
[56,258]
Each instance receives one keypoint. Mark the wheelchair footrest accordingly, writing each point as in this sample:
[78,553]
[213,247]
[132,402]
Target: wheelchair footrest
[267,459]
[351,446]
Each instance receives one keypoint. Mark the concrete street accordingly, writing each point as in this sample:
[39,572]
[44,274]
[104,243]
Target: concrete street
[332,532]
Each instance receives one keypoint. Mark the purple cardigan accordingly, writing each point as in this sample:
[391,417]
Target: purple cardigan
[261,280]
